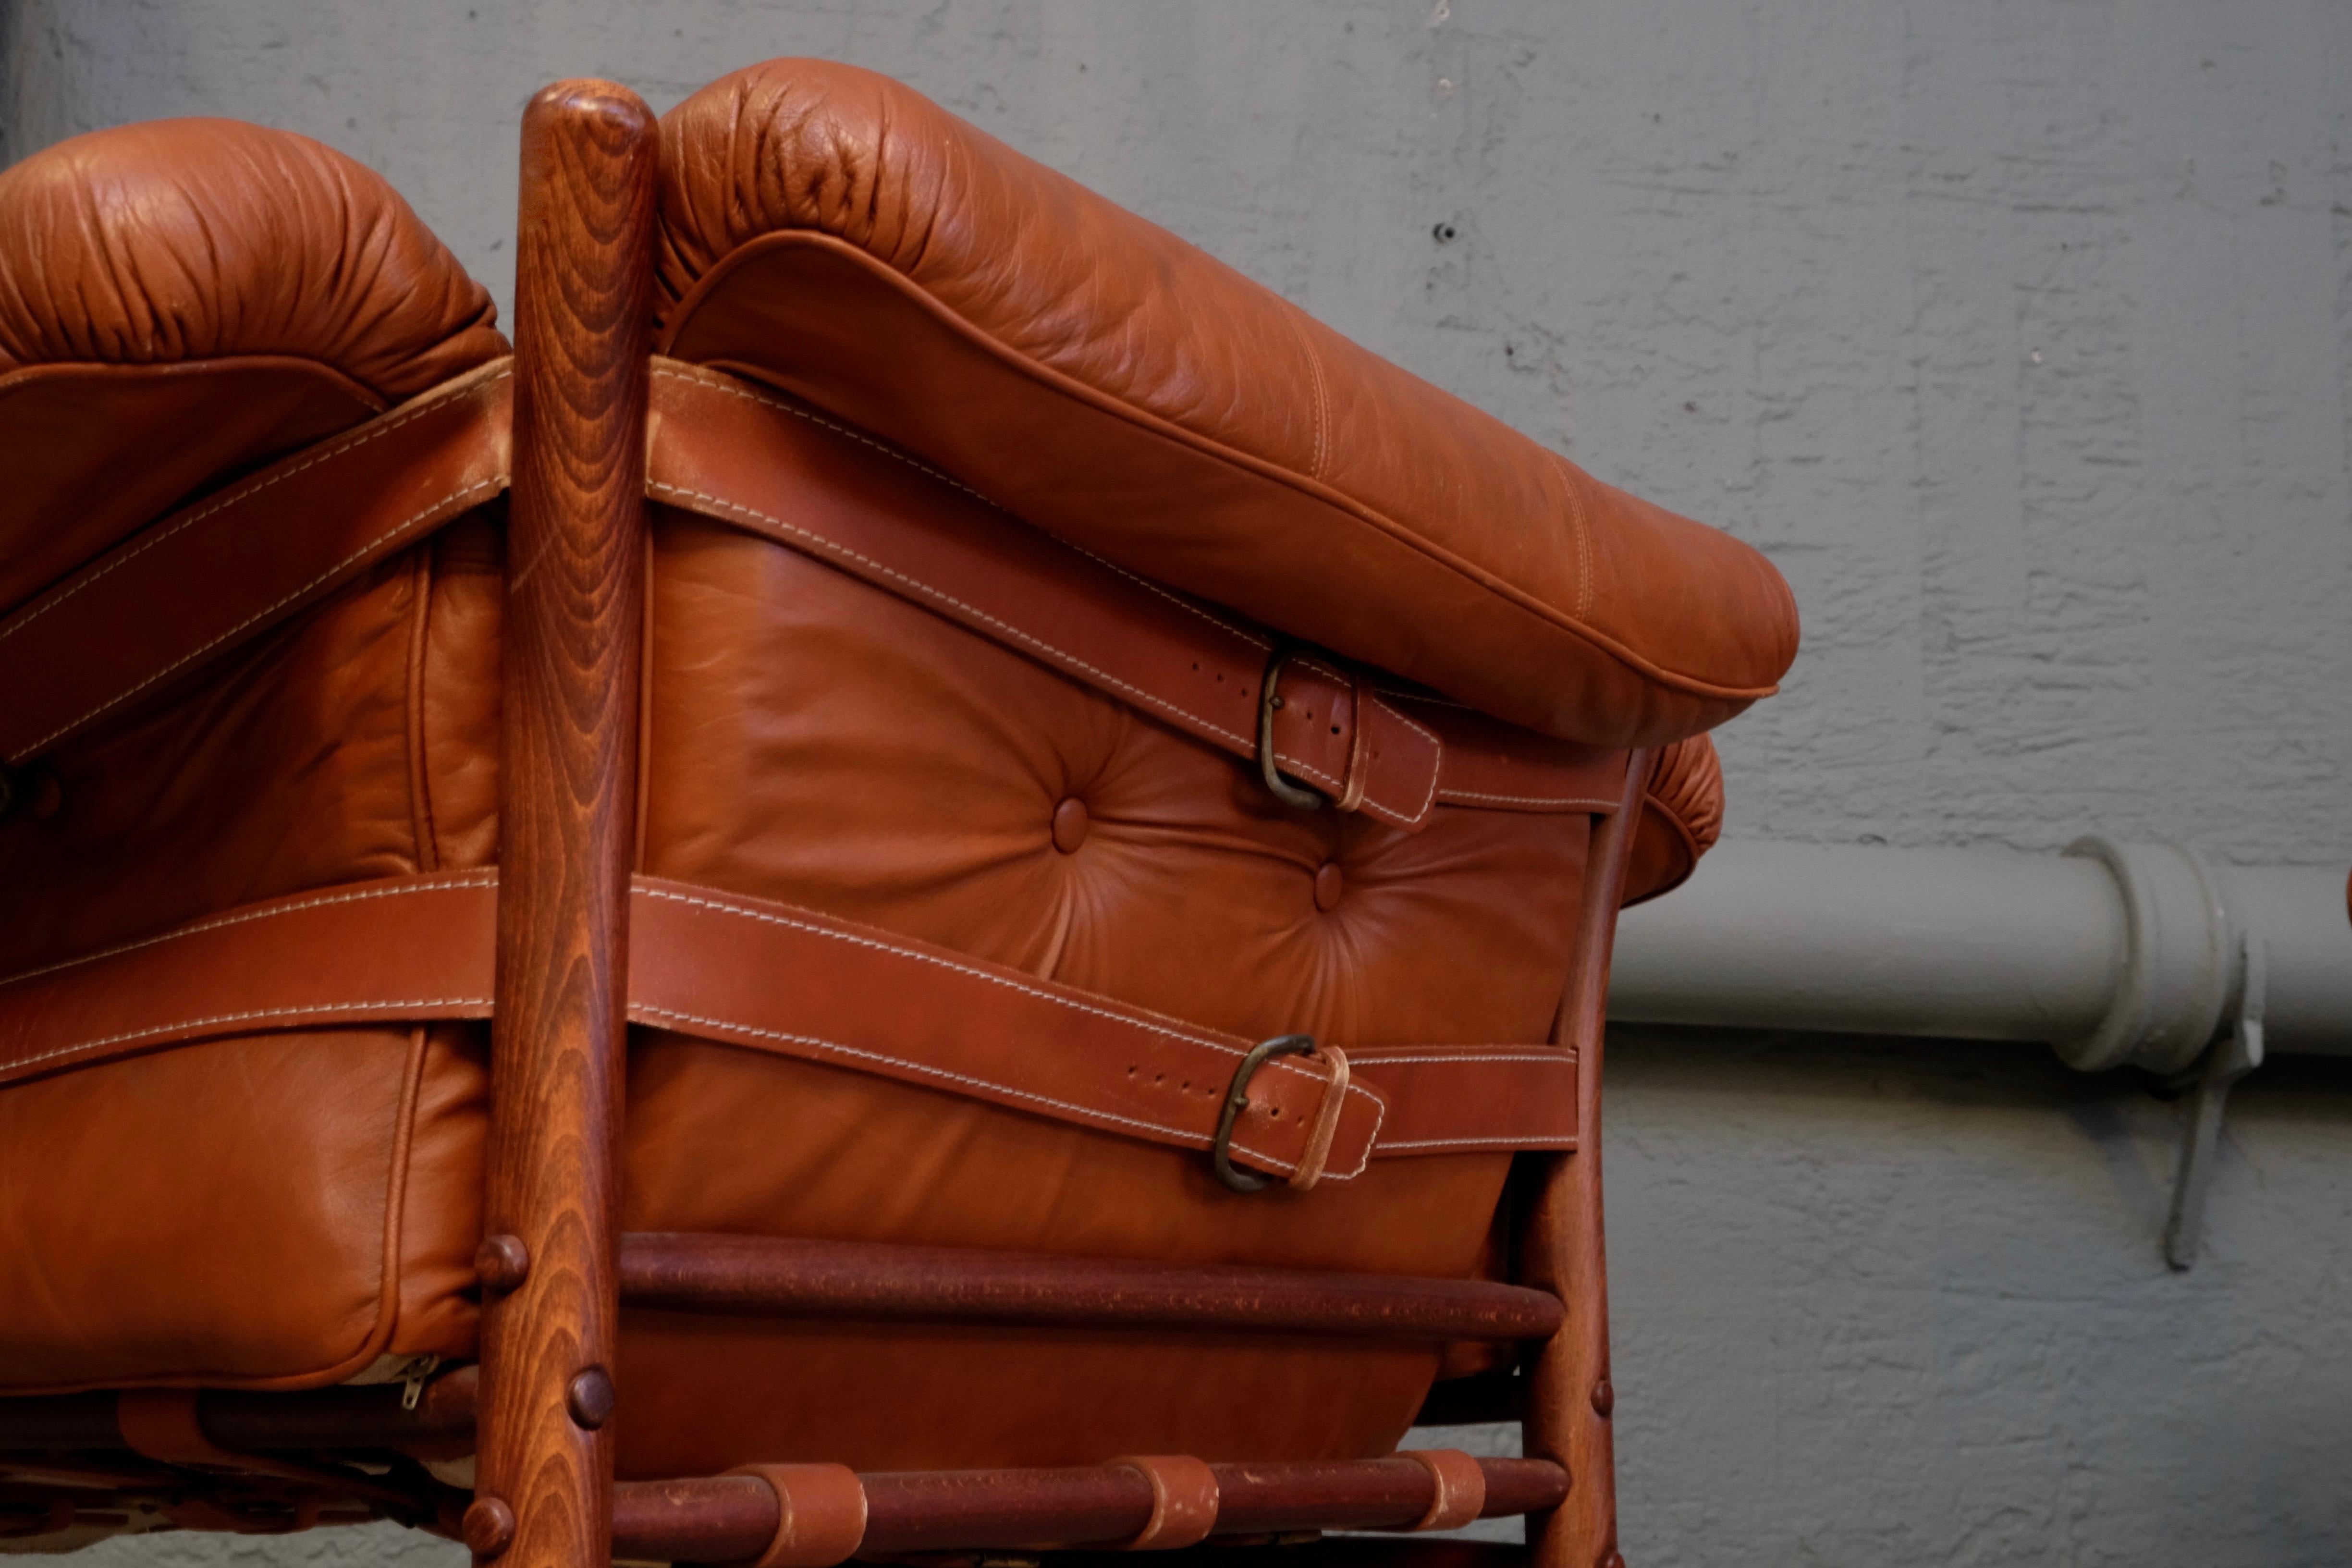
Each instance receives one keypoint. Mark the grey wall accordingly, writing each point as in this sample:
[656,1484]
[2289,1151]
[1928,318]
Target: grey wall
[2020,333]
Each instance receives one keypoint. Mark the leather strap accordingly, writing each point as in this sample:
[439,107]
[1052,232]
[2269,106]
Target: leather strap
[740,455]
[768,976]
[1461,1487]
[196,584]
[1183,1501]
[227,569]
[820,1514]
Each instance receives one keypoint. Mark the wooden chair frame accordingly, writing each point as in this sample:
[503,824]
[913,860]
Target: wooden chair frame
[554,1267]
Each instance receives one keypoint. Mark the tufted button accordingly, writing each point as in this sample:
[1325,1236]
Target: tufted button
[1328,883]
[1070,825]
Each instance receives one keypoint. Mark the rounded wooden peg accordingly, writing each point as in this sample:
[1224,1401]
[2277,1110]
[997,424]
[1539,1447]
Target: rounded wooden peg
[589,1397]
[1605,1399]
[502,1262]
[488,1527]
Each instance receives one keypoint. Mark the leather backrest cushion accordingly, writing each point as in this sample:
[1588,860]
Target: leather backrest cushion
[184,299]
[836,233]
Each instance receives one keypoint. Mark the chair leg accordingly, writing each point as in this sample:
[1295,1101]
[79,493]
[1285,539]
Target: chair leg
[574,596]
[1569,1395]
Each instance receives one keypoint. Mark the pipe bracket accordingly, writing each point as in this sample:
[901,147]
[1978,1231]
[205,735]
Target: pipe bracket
[2231,1058]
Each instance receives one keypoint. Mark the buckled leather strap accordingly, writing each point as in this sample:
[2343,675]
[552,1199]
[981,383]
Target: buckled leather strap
[740,455]
[768,976]
[225,570]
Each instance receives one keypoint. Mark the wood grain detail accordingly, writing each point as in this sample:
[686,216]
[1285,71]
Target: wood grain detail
[1562,1246]
[574,596]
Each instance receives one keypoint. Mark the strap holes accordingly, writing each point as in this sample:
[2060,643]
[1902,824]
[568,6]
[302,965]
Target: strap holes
[1335,728]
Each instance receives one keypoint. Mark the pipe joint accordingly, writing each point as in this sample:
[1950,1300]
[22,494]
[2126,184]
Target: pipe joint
[2179,959]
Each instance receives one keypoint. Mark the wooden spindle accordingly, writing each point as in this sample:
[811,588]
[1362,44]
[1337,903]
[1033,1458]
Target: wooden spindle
[574,597]
[1569,1396]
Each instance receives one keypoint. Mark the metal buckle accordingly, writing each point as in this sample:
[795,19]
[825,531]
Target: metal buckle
[1281,788]
[1311,1158]
[1221,1152]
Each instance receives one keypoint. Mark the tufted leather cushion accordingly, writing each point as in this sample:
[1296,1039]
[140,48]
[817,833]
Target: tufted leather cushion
[185,298]
[841,237]
[808,738]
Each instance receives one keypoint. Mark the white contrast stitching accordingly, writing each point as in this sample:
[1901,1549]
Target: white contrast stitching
[1040,994]
[1372,803]
[1297,318]
[1436,768]
[1428,698]
[1531,1140]
[734,388]
[1262,643]
[389,1005]
[942,1074]
[726,385]
[476,879]
[1592,801]
[1006,627]
[945,1076]
[494,484]
[1555,1056]
[385,427]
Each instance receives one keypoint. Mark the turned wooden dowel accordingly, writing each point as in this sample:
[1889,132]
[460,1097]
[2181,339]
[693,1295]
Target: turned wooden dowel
[877,1282]
[1569,1397]
[574,597]
[729,1518]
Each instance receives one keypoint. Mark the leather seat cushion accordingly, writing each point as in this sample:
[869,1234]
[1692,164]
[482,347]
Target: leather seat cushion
[838,235]
[812,738]
[185,298]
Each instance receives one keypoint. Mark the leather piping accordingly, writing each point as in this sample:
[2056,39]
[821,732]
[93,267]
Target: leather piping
[749,251]
[792,981]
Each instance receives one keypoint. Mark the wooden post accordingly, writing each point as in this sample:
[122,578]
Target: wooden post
[574,594]
[1569,1395]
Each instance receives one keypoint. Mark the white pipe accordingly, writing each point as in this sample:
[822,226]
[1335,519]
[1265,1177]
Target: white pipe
[2111,953]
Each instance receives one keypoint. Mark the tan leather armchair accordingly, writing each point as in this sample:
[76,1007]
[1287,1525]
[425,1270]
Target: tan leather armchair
[925,845]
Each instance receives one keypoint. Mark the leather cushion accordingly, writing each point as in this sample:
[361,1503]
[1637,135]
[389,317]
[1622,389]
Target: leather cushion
[184,299]
[836,233]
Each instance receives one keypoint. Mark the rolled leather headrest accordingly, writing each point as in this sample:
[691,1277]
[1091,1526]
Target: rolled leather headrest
[185,298]
[1682,818]
[837,234]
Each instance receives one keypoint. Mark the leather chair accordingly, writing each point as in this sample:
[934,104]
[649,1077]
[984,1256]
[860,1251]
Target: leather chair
[930,877]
